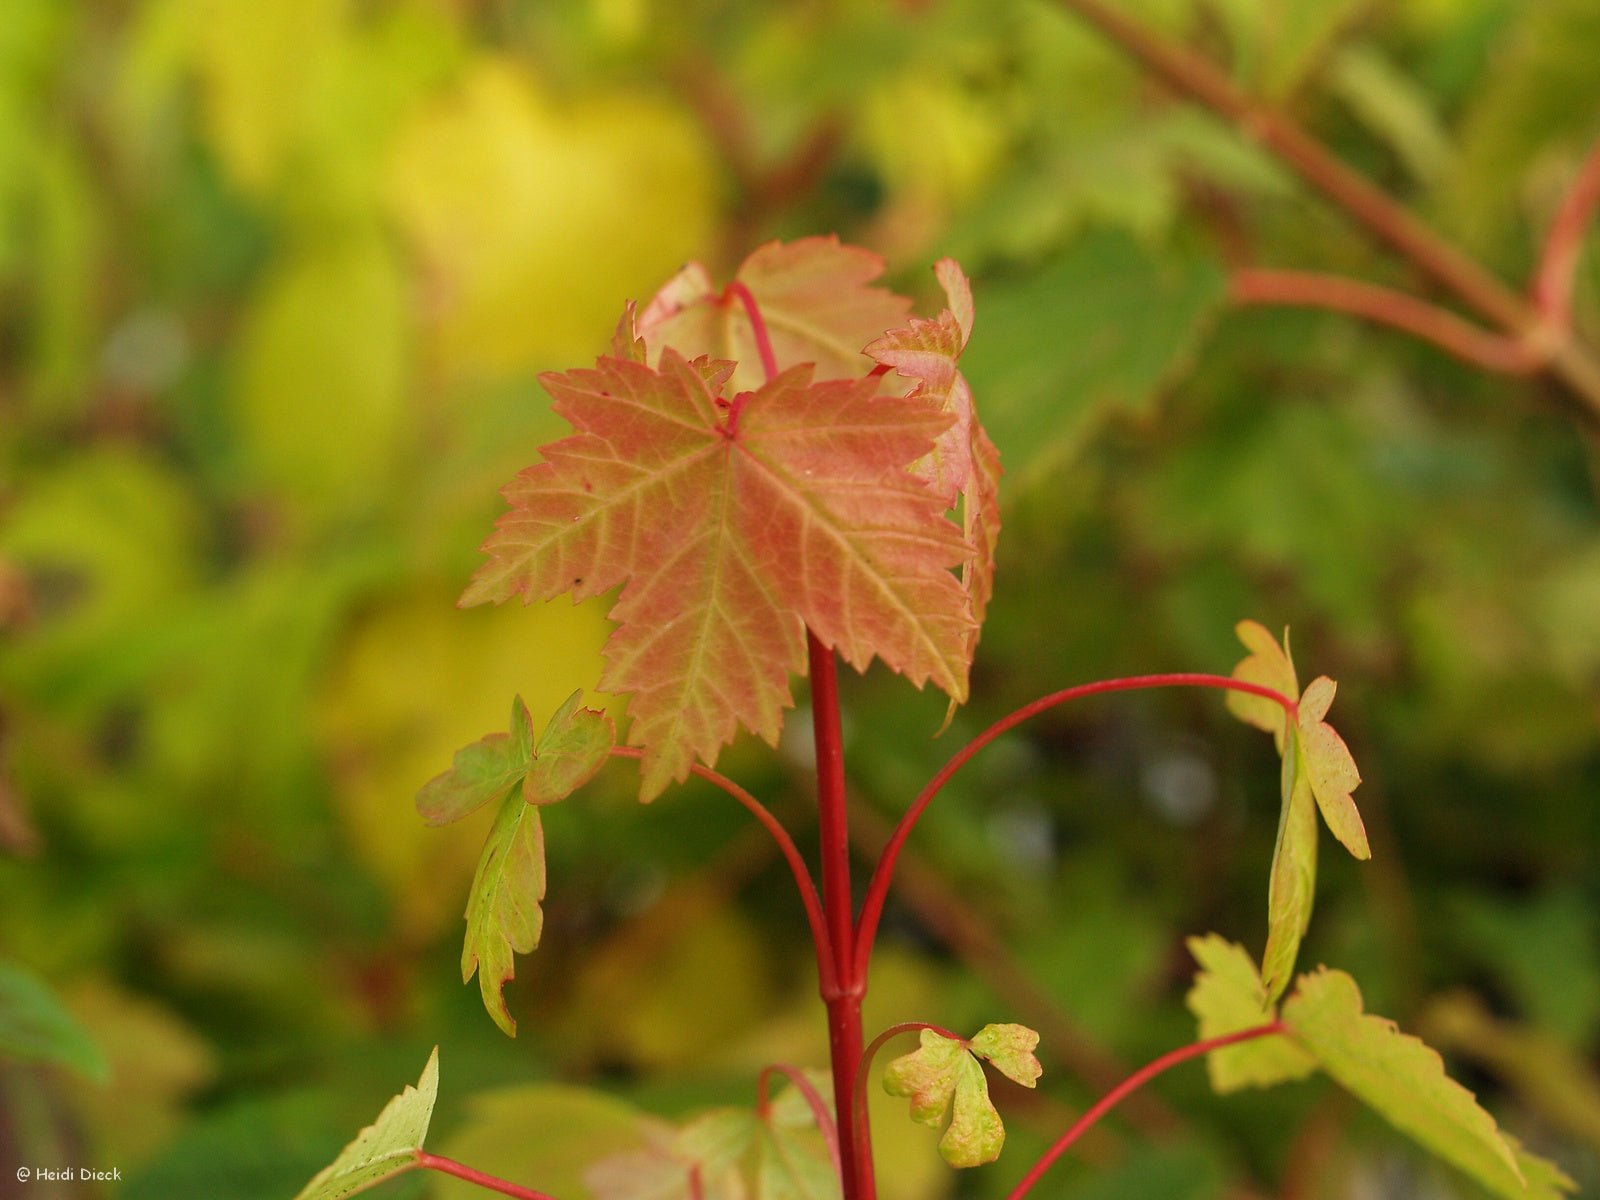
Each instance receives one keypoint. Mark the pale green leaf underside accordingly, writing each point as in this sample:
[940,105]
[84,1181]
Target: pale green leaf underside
[484,771]
[1228,996]
[1403,1080]
[790,1168]
[1292,886]
[504,913]
[385,1148]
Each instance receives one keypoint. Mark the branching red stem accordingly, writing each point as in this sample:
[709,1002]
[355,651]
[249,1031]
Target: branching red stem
[878,888]
[1386,306]
[1558,263]
[1129,1085]
[791,853]
[813,1098]
[1192,75]
[449,1166]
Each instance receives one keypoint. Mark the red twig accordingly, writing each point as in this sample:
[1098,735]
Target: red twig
[1131,1084]
[769,362]
[1558,263]
[791,853]
[1390,222]
[878,887]
[813,1099]
[449,1166]
[1386,306]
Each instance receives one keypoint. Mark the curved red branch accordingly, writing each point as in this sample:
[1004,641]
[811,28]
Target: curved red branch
[791,853]
[449,1166]
[878,887]
[769,362]
[1386,306]
[1558,263]
[813,1098]
[1129,1085]
[861,1133]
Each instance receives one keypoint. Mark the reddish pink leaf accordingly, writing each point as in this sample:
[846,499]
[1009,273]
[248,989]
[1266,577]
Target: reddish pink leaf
[734,525]
[813,295]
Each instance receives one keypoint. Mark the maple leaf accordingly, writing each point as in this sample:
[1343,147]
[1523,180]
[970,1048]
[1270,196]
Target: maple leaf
[963,463]
[384,1149]
[943,1075]
[814,299]
[504,917]
[735,525]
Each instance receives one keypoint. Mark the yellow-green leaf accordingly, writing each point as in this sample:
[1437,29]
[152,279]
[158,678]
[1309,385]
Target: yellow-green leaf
[384,1149]
[1404,1081]
[1269,665]
[1228,996]
[1293,883]
[1332,772]
[944,1075]
[574,745]
[504,917]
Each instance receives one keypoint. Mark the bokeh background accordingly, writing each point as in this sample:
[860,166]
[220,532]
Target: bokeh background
[276,280]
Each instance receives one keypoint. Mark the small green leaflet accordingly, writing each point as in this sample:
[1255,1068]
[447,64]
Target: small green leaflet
[35,1027]
[1403,1080]
[384,1149]
[1318,774]
[504,917]
[944,1075]
[1228,996]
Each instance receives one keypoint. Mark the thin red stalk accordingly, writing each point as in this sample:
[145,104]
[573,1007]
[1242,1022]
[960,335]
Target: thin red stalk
[1386,306]
[449,1166]
[878,888]
[813,1098]
[826,968]
[1191,74]
[697,1187]
[1558,263]
[769,361]
[1129,1085]
[862,1130]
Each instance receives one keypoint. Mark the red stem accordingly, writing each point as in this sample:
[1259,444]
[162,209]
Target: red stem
[843,1000]
[826,968]
[1129,1085]
[813,1098]
[1386,306]
[449,1166]
[1558,263]
[878,889]
[769,361]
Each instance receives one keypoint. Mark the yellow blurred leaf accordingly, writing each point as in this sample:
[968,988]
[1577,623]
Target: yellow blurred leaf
[536,220]
[322,371]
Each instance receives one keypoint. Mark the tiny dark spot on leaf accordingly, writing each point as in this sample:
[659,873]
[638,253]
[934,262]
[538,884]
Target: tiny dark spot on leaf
[578,582]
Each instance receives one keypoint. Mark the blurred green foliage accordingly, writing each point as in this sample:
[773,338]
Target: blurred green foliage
[275,283]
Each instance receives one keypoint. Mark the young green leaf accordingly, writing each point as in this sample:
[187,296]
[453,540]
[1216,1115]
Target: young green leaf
[1228,996]
[574,745]
[35,1027]
[504,917]
[788,1168]
[700,1161]
[1327,763]
[384,1149]
[813,295]
[1404,1081]
[735,525]
[504,909]
[481,772]
[1292,887]
[944,1076]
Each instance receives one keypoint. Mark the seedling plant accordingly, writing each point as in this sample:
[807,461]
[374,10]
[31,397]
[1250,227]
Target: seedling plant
[780,473]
